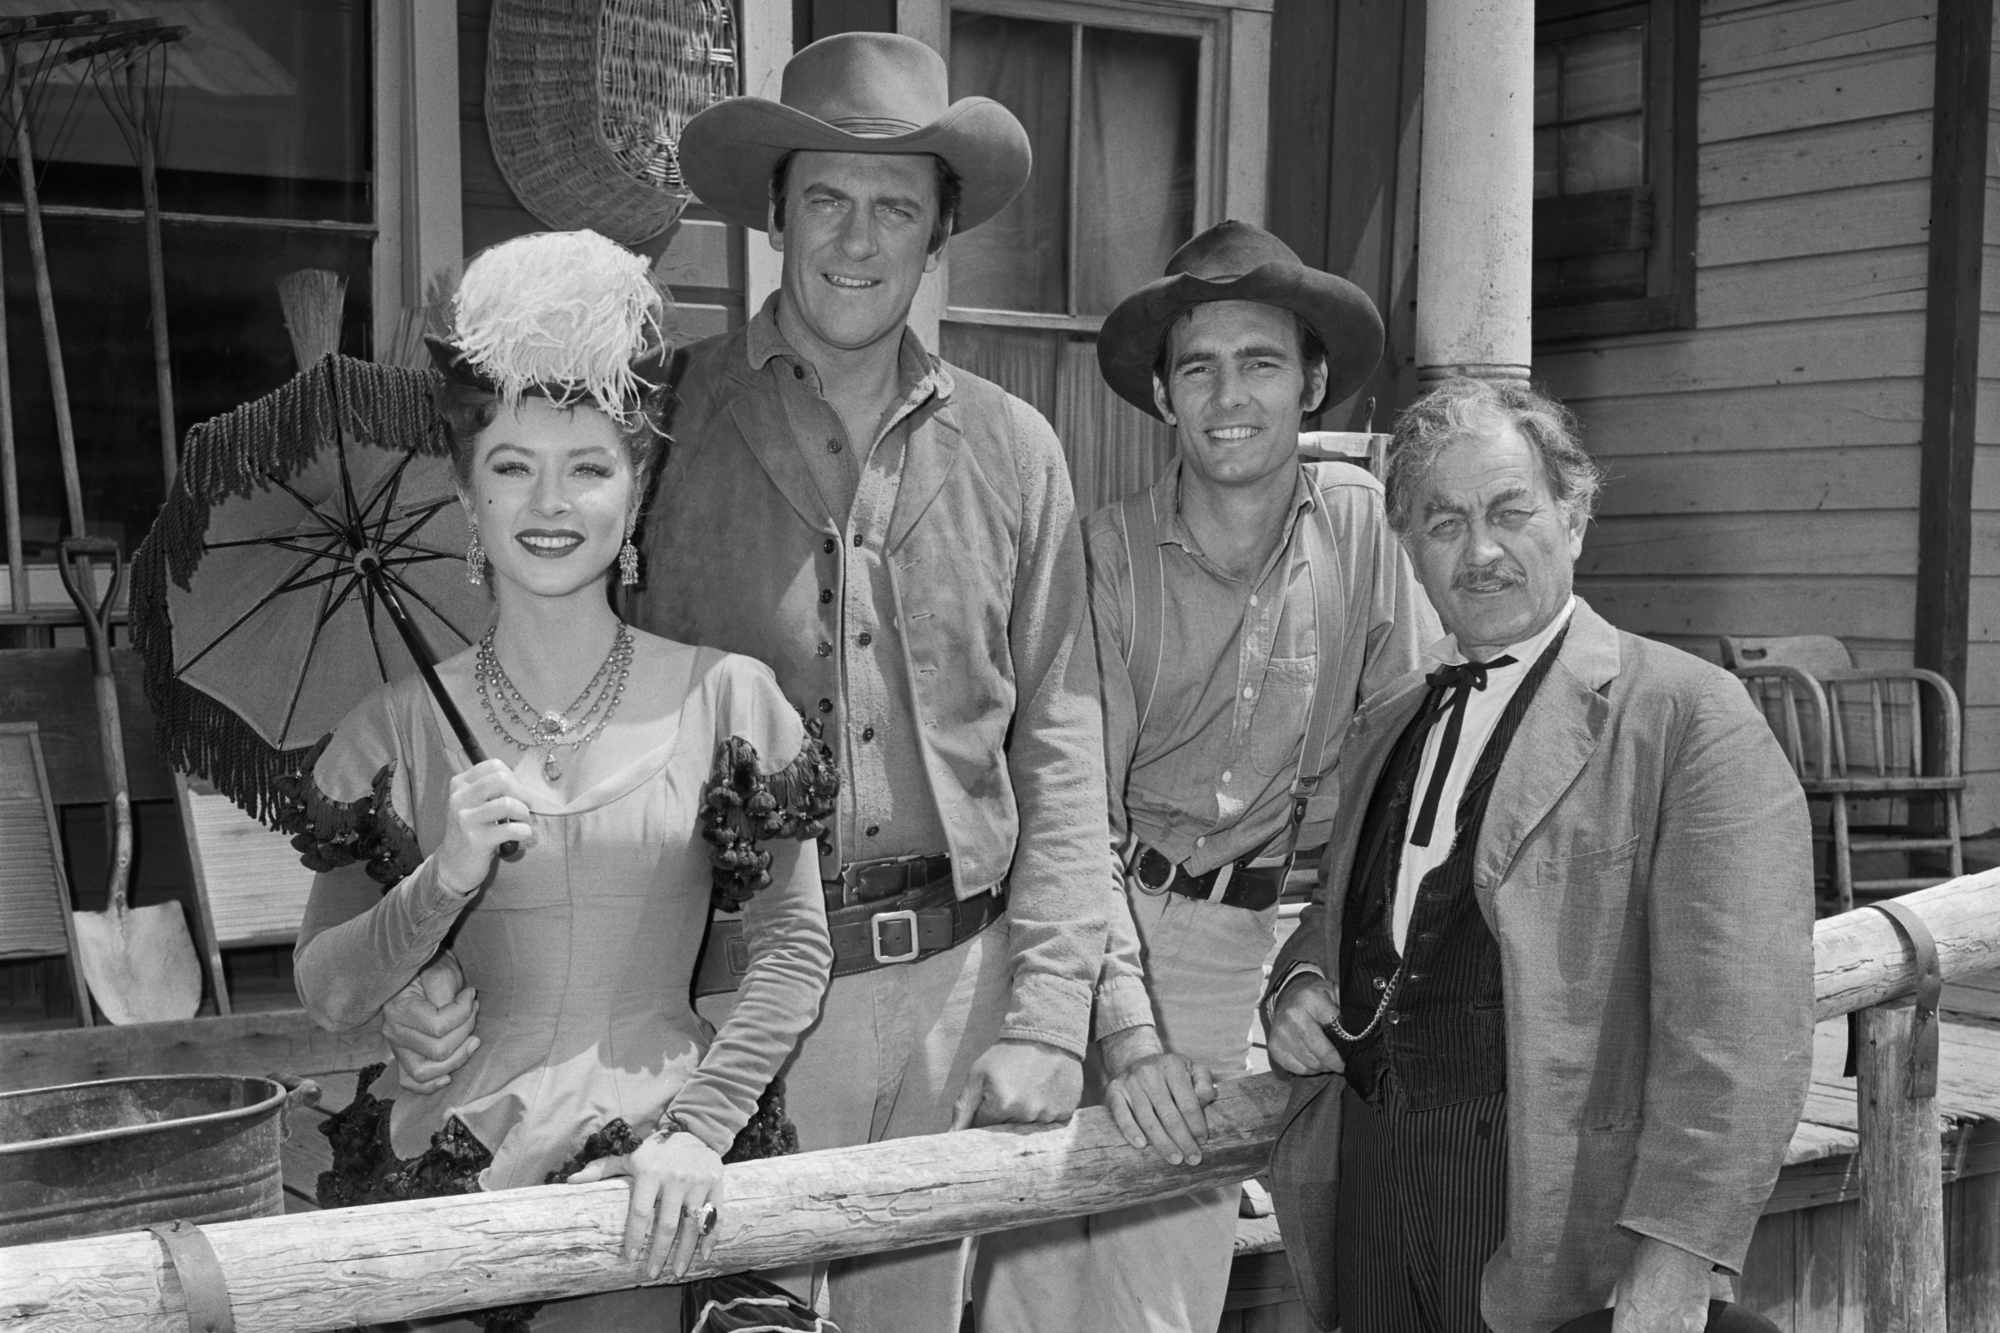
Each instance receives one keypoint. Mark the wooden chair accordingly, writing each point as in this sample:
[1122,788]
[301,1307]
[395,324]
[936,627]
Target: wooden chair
[248,881]
[35,904]
[1857,738]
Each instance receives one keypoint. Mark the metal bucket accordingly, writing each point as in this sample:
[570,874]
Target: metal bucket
[123,1153]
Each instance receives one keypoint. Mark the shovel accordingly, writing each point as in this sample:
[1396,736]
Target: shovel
[139,962]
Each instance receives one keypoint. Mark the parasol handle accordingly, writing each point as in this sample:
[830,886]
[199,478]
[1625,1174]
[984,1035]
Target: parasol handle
[420,653]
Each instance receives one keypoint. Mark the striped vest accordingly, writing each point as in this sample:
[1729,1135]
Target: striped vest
[1442,1029]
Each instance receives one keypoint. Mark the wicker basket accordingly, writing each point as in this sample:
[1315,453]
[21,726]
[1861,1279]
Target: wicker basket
[585,100]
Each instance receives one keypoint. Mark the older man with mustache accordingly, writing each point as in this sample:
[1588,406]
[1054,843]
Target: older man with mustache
[1561,954]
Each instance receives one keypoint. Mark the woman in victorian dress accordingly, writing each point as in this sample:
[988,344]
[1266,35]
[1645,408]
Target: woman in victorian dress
[633,777]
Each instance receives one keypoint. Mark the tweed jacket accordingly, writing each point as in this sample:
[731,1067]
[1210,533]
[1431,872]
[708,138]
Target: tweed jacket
[985,561]
[1646,867]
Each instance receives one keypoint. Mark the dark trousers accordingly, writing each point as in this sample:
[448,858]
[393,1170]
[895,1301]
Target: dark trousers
[1422,1206]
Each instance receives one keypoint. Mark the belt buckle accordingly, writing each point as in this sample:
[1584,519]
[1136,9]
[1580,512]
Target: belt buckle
[1153,871]
[905,918]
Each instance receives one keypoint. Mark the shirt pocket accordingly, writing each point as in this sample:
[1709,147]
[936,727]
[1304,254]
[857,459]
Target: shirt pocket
[1278,724]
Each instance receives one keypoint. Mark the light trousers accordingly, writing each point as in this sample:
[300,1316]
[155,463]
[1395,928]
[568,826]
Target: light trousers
[887,1058]
[1160,1267]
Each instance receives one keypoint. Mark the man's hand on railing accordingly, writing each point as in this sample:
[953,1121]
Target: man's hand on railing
[1297,1039]
[1019,1083]
[428,1025]
[1156,1096]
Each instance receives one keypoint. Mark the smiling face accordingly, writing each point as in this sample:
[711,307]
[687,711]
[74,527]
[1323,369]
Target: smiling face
[855,237]
[553,492]
[1491,544]
[1236,389]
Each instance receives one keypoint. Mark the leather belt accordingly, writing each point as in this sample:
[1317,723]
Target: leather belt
[871,881]
[865,936]
[1252,888]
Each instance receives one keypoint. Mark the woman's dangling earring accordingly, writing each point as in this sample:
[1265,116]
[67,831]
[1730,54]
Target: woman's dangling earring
[475,561]
[628,563]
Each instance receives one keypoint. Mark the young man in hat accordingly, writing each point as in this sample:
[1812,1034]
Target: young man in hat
[1562,947]
[897,539]
[1243,606]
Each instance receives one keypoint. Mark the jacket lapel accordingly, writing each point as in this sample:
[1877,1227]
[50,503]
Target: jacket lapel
[1557,736]
[930,452]
[759,419]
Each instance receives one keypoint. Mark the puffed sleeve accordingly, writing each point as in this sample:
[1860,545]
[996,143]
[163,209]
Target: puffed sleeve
[377,911]
[771,791]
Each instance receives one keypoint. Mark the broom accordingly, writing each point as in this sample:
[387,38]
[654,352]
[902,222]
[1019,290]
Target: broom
[312,299]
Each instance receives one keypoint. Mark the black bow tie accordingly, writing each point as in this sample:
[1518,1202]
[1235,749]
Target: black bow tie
[1450,687]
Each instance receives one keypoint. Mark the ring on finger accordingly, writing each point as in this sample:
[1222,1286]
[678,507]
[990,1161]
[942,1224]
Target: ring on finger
[709,1217]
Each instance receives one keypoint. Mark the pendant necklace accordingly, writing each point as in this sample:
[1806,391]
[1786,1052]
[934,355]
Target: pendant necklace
[527,728]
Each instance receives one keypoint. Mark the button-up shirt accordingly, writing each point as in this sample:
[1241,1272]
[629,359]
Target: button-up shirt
[886,807]
[1482,713]
[1207,776]
[934,626]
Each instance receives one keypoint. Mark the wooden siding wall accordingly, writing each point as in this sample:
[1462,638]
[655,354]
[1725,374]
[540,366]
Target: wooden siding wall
[1764,464]
[1982,664]
[699,258]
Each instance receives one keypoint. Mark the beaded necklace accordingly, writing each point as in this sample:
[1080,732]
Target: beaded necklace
[526,728]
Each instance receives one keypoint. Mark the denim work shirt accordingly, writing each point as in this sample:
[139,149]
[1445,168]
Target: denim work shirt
[1208,778]
[934,627]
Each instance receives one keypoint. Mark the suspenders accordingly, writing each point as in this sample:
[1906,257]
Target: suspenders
[1139,523]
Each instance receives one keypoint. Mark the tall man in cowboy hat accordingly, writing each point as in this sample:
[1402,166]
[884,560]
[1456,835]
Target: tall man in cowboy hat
[1243,606]
[897,539]
[1562,948]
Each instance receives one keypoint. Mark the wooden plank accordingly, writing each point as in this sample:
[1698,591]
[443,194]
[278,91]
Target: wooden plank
[1953,332]
[697,255]
[427,1256]
[1759,481]
[1972,1240]
[1770,1270]
[689,321]
[1771,36]
[1771,417]
[1809,352]
[1830,286]
[1892,83]
[1304,45]
[1902,1210]
[53,686]
[1869,152]
[1862,217]
[280,1040]
[1844,605]
[1864,542]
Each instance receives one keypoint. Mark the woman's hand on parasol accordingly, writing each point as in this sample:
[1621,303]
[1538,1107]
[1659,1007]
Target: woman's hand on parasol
[676,1198]
[486,811]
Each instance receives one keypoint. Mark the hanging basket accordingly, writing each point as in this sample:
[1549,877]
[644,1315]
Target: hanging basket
[585,102]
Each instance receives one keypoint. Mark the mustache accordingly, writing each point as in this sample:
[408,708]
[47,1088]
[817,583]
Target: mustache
[1490,578]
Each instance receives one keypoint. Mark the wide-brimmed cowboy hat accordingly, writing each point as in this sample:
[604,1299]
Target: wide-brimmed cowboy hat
[1722,1318]
[858,92]
[1235,261]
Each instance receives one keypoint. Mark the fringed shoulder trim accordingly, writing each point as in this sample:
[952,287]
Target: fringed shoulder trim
[742,807]
[329,833]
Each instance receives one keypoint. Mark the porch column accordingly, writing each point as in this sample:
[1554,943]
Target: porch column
[1475,201]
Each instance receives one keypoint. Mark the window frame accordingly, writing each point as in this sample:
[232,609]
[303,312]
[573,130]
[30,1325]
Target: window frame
[1231,119]
[1668,195]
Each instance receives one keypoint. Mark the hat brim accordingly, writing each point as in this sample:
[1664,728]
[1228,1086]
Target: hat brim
[729,150]
[1346,320]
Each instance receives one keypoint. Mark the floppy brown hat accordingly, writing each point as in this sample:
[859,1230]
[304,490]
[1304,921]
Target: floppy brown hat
[1236,261]
[858,92]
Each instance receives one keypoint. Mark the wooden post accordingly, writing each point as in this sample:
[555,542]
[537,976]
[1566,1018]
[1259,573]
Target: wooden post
[1475,212]
[434,1256]
[1902,1190]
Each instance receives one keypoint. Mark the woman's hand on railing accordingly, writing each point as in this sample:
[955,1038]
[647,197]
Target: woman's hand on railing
[676,1199]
